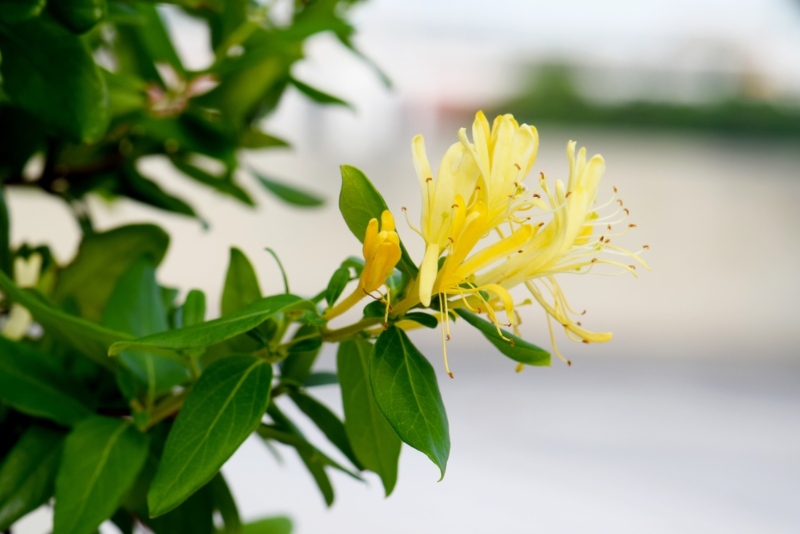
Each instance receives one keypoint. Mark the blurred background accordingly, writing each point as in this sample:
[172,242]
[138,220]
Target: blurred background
[689,420]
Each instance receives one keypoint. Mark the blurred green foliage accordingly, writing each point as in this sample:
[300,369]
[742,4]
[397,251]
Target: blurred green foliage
[553,95]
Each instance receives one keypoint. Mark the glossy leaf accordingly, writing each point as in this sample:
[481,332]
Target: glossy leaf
[359,202]
[88,338]
[78,16]
[425,319]
[338,282]
[213,332]
[298,363]
[289,193]
[56,79]
[34,384]
[374,441]
[251,138]
[517,348]
[328,422]
[405,389]
[272,525]
[18,10]
[102,457]
[102,258]
[224,184]
[27,476]
[136,307]
[222,409]
[134,185]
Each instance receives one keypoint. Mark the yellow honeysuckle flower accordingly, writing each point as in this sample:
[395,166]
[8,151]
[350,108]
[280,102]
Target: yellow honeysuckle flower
[459,212]
[381,253]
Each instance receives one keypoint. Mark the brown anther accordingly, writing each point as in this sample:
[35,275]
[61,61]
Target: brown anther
[614,187]
[568,194]
[451,375]
[541,176]
[454,206]
[620,201]
[594,260]
[627,211]
[477,188]
[609,227]
[537,195]
[579,323]
[631,225]
[428,179]
[451,240]
[541,224]
[608,241]
[520,251]
[404,208]
[633,267]
[646,247]
[602,239]
[386,326]
[517,166]
[583,312]
[448,337]
[478,310]
[511,341]
[569,363]
[586,341]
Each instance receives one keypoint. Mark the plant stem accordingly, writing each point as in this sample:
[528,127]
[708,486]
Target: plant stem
[331,336]
[168,407]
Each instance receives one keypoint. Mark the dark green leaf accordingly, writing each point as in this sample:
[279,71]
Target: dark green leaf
[5,243]
[321,378]
[337,284]
[102,258]
[225,504]
[328,422]
[374,442]
[224,184]
[241,284]
[194,308]
[195,515]
[517,348]
[374,309]
[213,332]
[405,389]
[88,338]
[28,474]
[272,525]
[359,202]
[222,409]
[425,319]
[78,16]
[33,383]
[147,191]
[13,11]
[141,46]
[101,460]
[55,79]
[136,307]
[318,96]
[289,194]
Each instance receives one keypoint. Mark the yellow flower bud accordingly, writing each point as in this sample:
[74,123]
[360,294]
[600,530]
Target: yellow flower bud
[381,252]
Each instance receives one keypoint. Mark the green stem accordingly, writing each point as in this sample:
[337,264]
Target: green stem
[344,305]
[168,407]
[332,336]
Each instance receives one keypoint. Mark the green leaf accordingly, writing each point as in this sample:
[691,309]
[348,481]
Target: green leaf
[5,227]
[141,46]
[241,284]
[225,503]
[318,96]
[405,390]
[136,307]
[359,202]
[327,421]
[213,332]
[134,185]
[195,515]
[194,308]
[102,457]
[34,384]
[374,441]
[425,319]
[102,258]
[251,138]
[88,338]
[28,474]
[321,378]
[272,525]
[222,409]
[54,77]
[289,194]
[337,284]
[14,11]
[78,16]
[517,349]
[298,363]
[223,184]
